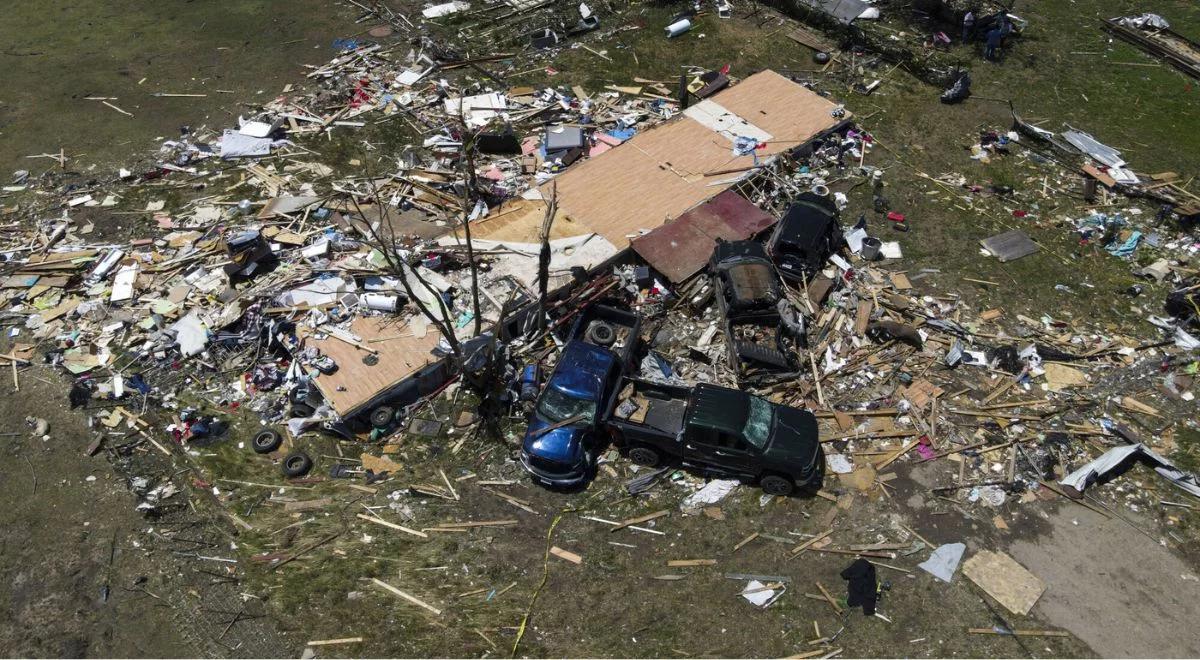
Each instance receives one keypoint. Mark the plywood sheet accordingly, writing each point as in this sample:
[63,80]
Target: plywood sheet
[355,383]
[1004,579]
[661,173]
[520,221]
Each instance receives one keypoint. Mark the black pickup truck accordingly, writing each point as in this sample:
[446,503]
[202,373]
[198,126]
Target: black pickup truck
[749,293]
[716,430]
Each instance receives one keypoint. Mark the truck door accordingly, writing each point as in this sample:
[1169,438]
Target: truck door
[719,450]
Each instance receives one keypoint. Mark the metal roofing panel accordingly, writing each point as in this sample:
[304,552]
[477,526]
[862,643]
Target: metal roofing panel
[678,249]
[681,248]
[845,11]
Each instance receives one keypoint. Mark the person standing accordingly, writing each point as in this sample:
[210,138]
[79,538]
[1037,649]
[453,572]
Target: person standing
[993,44]
[968,27]
[1006,28]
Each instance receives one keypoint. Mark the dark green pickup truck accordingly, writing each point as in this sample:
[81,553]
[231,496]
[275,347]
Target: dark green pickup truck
[716,430]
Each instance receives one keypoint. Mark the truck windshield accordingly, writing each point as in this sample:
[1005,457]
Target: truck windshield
[758,422]
[557,405]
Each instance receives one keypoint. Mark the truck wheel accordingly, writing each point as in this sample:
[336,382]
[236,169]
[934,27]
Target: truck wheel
[601,334]
[266,441]
[644,456]
[773,484]
[381,417]
[296,464]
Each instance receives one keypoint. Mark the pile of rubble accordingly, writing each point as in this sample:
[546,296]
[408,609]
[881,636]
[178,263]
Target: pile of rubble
[350,304]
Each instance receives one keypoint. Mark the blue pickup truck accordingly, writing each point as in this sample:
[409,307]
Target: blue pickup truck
[566,428]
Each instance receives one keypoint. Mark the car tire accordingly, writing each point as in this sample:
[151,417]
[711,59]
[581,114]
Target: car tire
[601,334]
[302,410]
[644,456]
[774,484]
[266,442]
[821,57]
[382,417]
[296,464]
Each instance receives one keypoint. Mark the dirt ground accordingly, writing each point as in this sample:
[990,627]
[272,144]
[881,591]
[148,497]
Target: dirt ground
[67,534]
[76,567]
[1100,572]
[126,51]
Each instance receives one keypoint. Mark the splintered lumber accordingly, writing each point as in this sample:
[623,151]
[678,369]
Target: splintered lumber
[331,642]
[897,454]
[868,435]
[305,550]
[640,519]
[807,654]
[464,526]
[1019,633]
[804,546]
[675,563]
[566,554]
[401,528]
[410,598]
[829,598]
[1165,43]
[745,541]
[856,553]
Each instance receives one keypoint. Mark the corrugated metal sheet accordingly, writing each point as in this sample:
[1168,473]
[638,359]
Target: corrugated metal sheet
[845,11]
[681,248]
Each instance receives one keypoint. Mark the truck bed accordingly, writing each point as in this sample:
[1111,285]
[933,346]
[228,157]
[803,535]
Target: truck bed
[626,325]
[659,408]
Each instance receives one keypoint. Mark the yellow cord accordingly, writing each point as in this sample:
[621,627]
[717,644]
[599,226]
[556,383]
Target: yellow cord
[538,591]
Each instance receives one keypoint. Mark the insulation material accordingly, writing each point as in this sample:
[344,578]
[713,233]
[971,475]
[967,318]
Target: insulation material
[1116,459]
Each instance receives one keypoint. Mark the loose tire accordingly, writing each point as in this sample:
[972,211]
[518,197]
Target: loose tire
[302,410]
[296,464]
[266,441]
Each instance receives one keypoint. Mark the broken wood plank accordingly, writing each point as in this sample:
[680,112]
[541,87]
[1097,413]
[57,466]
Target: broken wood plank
[829,598]
[675,563]
[744,541]
[804,546]
[332,642]
[390,525]
[640,519]
[566,554]
[1019,633]
[410,598]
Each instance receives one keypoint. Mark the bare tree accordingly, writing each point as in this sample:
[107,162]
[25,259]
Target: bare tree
[382,237]
[544,254]
[467,209]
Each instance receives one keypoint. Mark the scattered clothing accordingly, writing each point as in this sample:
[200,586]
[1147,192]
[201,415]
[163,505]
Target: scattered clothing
[862,587]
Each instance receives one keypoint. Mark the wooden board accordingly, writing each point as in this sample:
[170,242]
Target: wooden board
[810,39]
[355,383]
[1095,173]
[659,174]
[520,221]
[1004,579]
